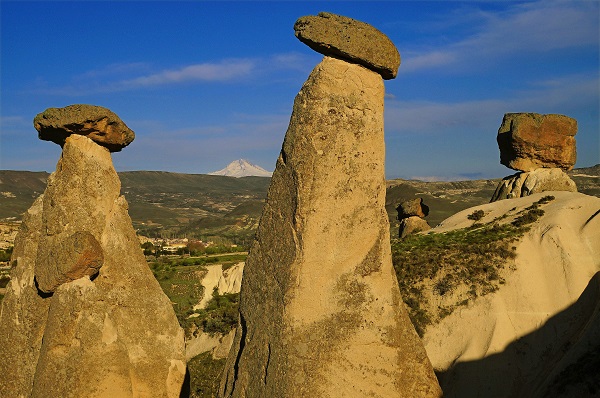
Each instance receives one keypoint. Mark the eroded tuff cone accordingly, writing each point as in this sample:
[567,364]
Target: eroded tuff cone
[536,181]
[528,141]
[356,41]
[320,312]
[113,335]
[413,207]
[97,123]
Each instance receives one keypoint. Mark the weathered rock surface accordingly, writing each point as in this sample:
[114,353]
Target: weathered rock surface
[320,312]
[528,141]
[413,207]
[412,225]
[537,335]
[528,183]
[97,123]
[115,334]
[226,282]
[352,40]
[65,258]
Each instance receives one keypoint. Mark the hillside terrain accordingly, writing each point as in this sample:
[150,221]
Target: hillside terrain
[163,204]
[172,204]
[525,271]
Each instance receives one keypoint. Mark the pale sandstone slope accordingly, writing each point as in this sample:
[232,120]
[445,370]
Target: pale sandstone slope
[514,342]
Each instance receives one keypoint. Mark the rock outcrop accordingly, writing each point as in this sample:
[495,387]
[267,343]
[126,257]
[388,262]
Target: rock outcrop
[83,315]
[97,123]
[538,334]
[412,225]
[411,214]
[320,309]
[225,282]
[410,208]
[529,141]
[349,39]
[541,147]
[528,183]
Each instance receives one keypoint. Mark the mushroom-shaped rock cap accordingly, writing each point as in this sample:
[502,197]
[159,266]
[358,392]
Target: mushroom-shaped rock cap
[351,40]
[95,122]
[529,141]
[412,208]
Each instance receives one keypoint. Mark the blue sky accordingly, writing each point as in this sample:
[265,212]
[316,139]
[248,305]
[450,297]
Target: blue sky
[205,83]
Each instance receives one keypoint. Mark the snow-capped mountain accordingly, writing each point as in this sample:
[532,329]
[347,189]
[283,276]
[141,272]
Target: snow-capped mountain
[242,168]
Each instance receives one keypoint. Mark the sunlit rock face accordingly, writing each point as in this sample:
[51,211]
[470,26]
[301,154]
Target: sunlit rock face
[349,39]
[320,312]
[541,148]
[528,141]
[95,122]
[83,315]
[538,334]
[536,181]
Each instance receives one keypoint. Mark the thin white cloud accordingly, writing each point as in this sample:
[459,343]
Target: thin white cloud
[14,126]
[206,72]
[560,95]
[133,76]
[524,28]
[114,70]
[8,121]
[202,149]
[431,59]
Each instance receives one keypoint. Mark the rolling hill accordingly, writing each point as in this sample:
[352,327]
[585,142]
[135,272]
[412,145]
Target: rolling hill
[207,206]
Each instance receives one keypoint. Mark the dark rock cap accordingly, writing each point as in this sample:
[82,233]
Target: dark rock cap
[528,141]
[411,208]
[95,122]
[349,39]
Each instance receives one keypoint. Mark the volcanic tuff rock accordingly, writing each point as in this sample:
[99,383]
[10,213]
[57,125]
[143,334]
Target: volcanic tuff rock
[413,207]
[531,337]
[538,180]
[112,334]
[349,39]
[412,225]
[320,311]
[226,282]
[528,141]
[97,123]
[411,214]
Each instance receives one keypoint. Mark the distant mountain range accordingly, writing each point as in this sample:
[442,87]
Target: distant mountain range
[199,205]
[242,168]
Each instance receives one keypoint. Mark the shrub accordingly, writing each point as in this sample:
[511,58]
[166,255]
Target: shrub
[476,215]
[4,279]
[5,254]
[443,286]
[205,375]
[530,217]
